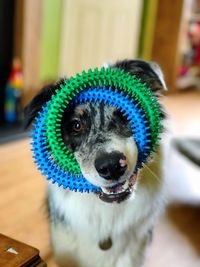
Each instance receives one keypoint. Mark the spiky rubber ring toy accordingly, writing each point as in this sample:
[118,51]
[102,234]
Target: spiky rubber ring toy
[131,97]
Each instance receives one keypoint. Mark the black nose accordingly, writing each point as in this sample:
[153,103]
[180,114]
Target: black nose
[111,166]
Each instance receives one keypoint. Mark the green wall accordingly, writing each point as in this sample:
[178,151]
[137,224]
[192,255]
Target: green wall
[50,39]
[147,28]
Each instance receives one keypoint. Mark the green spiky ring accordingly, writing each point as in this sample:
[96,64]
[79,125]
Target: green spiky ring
[114,78]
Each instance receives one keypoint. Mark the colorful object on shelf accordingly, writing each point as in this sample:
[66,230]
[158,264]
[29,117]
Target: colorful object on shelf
[113,87]
[13,93]
[194,38]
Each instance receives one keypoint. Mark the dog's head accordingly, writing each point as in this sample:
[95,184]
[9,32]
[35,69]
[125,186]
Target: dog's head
[100,136]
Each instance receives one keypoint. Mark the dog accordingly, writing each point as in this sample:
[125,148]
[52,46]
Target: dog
[114,228]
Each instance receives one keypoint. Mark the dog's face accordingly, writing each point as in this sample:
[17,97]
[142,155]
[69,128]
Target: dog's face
[101,138]
[102,142]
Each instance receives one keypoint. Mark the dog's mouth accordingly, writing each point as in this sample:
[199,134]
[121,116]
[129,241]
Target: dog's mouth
[119,192]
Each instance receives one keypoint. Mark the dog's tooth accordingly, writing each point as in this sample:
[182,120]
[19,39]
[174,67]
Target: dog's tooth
[133,182]
[125,186]
[105,190]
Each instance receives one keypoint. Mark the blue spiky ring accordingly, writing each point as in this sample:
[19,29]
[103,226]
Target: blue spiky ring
[51,155]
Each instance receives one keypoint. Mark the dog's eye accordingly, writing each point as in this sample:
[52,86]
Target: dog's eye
[76,126]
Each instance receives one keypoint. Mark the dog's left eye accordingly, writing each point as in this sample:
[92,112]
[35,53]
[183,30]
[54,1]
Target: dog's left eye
[76,126]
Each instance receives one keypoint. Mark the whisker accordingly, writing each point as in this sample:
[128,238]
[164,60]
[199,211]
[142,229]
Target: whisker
[155,176]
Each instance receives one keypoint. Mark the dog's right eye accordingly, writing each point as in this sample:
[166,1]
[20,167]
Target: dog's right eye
[76,126]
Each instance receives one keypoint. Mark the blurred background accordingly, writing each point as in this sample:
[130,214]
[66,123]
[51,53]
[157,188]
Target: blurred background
[42,40]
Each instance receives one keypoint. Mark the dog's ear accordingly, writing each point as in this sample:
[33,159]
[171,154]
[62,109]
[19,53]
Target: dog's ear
[149,72]
[35,105]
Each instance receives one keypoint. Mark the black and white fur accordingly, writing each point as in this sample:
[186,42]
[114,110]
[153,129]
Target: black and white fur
[123,216]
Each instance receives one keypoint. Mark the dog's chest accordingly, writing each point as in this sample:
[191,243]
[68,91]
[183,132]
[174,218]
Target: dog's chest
[97,219]
[87,215]
[92,225]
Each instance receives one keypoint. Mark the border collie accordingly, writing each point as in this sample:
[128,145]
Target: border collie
[112,229]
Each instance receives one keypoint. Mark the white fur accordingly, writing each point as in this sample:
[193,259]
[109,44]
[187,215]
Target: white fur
[90,220]
[158,71]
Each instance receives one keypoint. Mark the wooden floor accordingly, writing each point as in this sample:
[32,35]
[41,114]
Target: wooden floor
[176,241]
